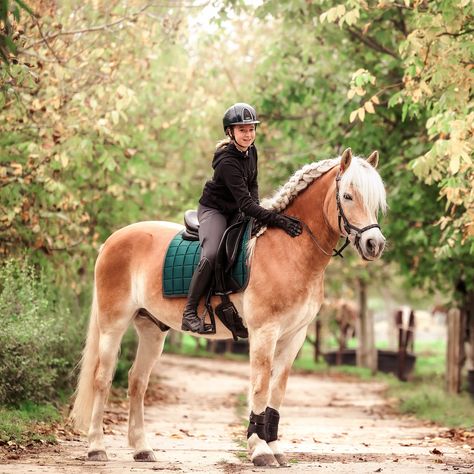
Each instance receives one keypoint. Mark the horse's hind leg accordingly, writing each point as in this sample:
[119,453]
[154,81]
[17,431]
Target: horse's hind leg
[285,354]
[150,346]
[109,344]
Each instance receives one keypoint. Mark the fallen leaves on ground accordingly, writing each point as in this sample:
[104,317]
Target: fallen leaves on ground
[459,434]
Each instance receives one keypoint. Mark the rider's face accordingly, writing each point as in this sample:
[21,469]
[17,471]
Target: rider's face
[244,136]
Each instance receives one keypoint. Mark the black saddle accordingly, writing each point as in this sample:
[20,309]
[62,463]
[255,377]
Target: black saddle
[224,283]
[192,225]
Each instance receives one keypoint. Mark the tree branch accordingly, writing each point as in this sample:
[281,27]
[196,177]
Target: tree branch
[461,33]
[45,40]
[91,28]
[370,42]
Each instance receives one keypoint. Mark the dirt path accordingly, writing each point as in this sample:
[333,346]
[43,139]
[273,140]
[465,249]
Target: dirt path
[328,425]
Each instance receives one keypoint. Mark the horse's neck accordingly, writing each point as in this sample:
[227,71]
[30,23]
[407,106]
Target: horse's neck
[298,261]
[308,206]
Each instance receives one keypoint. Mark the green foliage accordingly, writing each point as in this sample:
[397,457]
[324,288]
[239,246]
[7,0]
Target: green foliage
[123,131]
[39,342]
[20,425]
[9,16]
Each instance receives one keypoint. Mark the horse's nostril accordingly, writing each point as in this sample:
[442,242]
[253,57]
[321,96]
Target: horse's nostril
[370,245]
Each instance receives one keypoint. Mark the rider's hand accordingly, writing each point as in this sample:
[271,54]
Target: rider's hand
[290,225]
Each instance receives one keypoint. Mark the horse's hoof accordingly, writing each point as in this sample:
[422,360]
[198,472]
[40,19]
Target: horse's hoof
[97,455]
[265,460]
[281,458]
[144,456]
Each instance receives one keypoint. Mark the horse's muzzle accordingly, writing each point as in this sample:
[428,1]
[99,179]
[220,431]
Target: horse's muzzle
[371,244]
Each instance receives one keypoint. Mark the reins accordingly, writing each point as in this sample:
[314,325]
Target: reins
[348,227]
[325,252]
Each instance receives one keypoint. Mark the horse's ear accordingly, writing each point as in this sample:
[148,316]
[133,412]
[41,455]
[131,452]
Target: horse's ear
[373,159]
[346,159]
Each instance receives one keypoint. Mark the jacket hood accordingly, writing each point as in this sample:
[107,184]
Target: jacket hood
[227,151]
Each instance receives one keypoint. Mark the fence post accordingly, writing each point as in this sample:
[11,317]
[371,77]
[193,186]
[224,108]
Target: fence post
[317,340]
[366,352]
[454,351]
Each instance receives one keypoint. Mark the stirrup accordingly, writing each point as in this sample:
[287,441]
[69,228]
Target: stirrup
[206,329]
[203,327]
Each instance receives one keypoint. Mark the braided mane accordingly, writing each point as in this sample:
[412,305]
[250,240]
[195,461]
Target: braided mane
[297,183]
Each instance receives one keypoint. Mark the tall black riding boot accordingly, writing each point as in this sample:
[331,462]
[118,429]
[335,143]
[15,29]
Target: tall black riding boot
[199,284]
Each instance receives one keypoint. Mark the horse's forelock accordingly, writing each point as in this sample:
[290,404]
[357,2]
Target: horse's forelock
[365,179]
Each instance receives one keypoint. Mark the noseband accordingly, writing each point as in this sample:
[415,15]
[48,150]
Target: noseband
[348,227]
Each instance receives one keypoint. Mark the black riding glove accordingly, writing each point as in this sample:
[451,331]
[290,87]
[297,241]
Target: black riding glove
[290,225]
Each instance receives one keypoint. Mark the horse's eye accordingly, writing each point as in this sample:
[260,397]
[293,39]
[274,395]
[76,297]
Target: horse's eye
[347,197]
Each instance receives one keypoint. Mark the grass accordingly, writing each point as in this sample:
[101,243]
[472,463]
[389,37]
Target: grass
[428,400]
[27,424]
[424,395]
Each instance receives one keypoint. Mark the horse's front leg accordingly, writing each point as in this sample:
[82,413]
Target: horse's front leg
[150,346]
[262,347]
[285,353]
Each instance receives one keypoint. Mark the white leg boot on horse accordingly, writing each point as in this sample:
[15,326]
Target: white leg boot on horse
[262,347]
[150,346]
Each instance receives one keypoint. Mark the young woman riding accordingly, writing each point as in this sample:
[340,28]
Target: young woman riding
[232,190]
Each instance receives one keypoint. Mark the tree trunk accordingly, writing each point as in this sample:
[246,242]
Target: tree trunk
[454,351]
[366,353]
[469,310]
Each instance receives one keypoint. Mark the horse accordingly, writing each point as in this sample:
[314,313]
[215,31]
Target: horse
[336,197]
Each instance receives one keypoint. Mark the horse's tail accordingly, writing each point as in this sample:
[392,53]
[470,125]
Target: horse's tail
[84,396]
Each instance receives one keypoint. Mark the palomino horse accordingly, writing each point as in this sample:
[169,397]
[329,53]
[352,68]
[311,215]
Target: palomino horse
[332,198]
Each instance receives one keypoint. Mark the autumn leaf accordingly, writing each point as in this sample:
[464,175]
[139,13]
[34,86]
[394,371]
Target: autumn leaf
[454,163]
[369,107]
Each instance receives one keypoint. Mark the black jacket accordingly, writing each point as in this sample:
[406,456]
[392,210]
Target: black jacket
[234,185]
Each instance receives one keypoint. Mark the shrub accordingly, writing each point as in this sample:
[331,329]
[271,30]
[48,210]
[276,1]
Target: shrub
[38,346]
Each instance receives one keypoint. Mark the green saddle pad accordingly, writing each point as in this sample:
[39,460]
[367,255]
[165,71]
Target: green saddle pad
[182,258]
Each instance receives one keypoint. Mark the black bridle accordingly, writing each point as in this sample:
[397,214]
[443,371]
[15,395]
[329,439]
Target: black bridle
[348,227]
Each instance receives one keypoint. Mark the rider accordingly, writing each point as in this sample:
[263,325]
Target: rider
[232,190]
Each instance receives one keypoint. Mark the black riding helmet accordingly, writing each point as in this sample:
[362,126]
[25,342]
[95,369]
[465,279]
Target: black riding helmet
[239,114]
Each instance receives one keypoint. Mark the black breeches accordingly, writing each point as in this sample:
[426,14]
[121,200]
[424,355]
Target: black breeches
[212,225]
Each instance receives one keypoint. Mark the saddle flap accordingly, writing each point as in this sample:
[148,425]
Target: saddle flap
[232,242]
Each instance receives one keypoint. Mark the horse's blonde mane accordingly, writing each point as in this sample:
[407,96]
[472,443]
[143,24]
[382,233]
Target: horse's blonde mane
[360,175]
[297,183]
